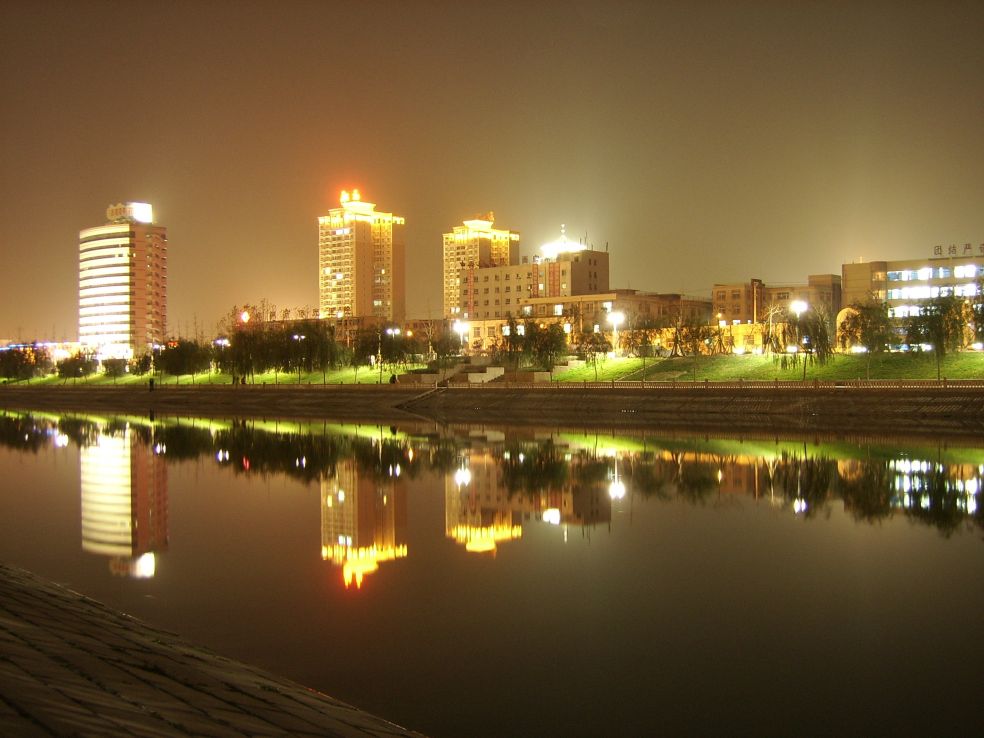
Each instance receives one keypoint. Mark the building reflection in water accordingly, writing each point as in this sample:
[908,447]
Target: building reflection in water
[491,493]
[124,502]
[363,520]
[478,513]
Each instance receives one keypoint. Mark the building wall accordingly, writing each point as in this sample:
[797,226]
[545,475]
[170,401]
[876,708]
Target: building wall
[123,285]
[906,284]
[361,262]
[501,291]
[474,244]
[750,302]
[739,302]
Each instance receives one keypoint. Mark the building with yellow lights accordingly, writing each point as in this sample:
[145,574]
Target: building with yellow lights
[589,313]
[476,244]
[363,521]
[361,262]
[123,283]
[565,269]
[751,302]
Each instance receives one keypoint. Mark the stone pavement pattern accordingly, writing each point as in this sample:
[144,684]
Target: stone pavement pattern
[72,666]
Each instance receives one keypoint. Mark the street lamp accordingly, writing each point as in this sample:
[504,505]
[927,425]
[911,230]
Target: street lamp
[616,319]
[462,330]
[798,307]
[391,332]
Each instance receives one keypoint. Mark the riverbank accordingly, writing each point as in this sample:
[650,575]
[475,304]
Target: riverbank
[945,409]
[73,666]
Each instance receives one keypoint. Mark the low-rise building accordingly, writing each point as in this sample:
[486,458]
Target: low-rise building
[907,283]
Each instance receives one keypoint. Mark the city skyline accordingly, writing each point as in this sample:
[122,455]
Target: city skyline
[704,144]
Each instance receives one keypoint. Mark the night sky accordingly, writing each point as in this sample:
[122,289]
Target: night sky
[703,141]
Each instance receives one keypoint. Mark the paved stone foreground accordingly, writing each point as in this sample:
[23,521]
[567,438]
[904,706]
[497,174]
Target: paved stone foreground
[70,666]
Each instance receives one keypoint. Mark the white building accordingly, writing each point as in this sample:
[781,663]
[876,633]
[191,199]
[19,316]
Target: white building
[123,283]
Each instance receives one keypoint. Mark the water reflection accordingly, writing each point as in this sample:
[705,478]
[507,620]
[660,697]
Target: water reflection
[495,482]
[363,520]
[124,501]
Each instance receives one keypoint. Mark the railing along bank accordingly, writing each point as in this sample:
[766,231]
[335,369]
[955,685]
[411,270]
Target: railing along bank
[737,384]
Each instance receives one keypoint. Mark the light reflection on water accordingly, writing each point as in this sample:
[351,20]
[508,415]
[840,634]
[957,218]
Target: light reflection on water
[652,526]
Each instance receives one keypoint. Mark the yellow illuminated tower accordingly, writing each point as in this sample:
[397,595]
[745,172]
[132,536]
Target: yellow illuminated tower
[363,521]
[123,282]
[474,244]
[361,262]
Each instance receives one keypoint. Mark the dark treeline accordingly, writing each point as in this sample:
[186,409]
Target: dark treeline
[871,489]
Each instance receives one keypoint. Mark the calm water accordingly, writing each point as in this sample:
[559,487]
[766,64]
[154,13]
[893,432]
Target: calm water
[470,582]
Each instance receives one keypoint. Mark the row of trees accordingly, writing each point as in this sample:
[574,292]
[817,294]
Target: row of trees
[941,325]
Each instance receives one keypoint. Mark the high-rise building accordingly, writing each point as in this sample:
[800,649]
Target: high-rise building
[473,245]
[123,282]
[361,262]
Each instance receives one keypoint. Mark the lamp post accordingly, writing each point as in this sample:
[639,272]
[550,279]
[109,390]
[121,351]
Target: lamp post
[798,307]
[462,330]
[616,319]
[391,332]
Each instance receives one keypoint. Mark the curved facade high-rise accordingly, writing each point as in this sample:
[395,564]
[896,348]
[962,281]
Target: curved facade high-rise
[123,283]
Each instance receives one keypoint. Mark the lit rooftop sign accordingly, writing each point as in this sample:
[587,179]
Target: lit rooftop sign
[141,212]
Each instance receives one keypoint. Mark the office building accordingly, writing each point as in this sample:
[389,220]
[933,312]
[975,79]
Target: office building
[475,244]
[753,301]
[905,284]
[361,262]
[564,269]
[123,283]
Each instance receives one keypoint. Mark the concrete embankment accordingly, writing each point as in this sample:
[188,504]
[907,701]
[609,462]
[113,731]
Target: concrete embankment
[344,402]
[927,408]
[71,666]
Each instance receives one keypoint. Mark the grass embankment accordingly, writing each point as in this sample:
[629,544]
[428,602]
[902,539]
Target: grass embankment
[717,368]
[338,376]
[721,368]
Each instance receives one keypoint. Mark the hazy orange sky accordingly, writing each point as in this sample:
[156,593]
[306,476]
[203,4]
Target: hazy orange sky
[703,141]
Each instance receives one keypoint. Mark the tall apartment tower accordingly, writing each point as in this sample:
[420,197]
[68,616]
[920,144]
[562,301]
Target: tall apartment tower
[361,262]
[474,244]
[123,282]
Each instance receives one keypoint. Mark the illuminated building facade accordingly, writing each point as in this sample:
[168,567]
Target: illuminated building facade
[750,302]
[123,283]
[475,244]
[589,312]
[124,502]
[565,269]
[361,262]
[363,521]
[905,284]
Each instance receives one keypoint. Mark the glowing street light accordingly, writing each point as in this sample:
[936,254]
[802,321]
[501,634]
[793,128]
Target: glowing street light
[391,332]
[798,307]
[462,330]
[244,316]
[616,319]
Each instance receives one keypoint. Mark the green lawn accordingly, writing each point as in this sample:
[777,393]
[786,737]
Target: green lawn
[718,368]
[345,375]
